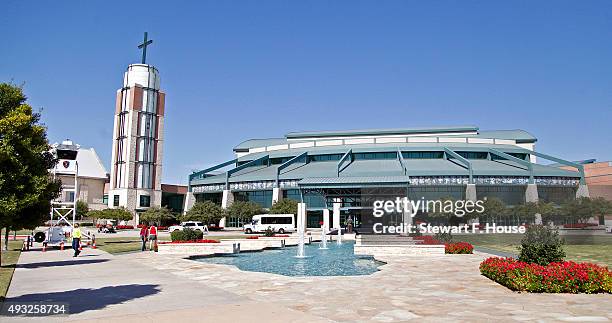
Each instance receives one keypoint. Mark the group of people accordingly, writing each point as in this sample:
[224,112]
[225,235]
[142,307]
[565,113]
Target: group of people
[148,233]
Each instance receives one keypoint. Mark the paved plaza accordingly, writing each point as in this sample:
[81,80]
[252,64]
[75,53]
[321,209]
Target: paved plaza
[145,287]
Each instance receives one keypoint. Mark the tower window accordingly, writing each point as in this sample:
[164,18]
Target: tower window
[145,201]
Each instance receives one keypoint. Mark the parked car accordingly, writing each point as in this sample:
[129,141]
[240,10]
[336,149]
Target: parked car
[193,225]
[109,228]
[280,223]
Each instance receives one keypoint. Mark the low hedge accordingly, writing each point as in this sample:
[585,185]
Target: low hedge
[458,248]
[186,235]
[579,225]
[556,277]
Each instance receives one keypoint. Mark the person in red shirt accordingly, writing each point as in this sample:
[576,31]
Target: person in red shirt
[143,237]
[152,236]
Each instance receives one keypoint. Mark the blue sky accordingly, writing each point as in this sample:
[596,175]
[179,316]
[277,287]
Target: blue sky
[235,70]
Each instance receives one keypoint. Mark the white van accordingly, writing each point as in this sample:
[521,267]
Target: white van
[280,223]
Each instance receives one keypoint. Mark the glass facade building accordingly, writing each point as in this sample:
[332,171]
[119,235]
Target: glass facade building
[354,168]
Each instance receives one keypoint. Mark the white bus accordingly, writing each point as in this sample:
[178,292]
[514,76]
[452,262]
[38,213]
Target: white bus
[280,223]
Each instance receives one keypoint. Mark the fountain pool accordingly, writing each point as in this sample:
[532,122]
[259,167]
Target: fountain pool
[337,260]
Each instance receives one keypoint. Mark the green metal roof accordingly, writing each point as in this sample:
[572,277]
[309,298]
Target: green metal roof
[364,148]
[520,136]
[252,143]
[377,132]
[360,170]
[322,182]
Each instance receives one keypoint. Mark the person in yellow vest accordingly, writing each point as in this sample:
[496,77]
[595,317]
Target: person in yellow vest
[76,239]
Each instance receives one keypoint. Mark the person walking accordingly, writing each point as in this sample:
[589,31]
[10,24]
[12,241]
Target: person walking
[143,236]
[76,239]
[349,225]
[152,236]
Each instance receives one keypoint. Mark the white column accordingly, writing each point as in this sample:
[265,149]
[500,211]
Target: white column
[228,199]
[531,193]
[189,202]
[407,216]
[277,195]
[470,195]
[470,192]
[583,191]
[336,215]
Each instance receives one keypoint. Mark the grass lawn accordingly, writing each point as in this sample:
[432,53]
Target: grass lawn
[9,259]
[581,248]
[121,244]
[126,244]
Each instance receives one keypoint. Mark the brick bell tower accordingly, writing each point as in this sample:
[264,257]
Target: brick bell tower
[136,168]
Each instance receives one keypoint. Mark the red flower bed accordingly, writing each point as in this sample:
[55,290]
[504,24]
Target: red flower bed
[124,227]
[190,241]
[579,225]
[556,277]
[458,248]
[250,238]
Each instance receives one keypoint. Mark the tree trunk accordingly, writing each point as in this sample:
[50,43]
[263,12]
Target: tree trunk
[0,250]
[6,235]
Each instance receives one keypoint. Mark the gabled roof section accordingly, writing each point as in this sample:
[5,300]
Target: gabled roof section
[90,164]
[521,136]
[252,143]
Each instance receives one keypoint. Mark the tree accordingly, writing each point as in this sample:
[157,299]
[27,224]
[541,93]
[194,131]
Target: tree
[156,215]
[284,206]
[206,212]
[494,208]
[82,208]
[26,189]
[526,213]
[601,207]
[446,208]
[119,214]
[95,215]
[541,245]
[578,210]
[244,210]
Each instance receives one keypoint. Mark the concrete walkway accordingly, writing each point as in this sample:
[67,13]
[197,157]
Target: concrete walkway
[149,287]
[444,288]
[102,287]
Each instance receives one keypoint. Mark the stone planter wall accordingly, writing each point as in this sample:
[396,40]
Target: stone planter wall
[399,250]
[198,249]
[256,244]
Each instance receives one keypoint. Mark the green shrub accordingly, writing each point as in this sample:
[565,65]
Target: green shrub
[541,245]
[445,237]
[186,235]
[284,206]
[269,232]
